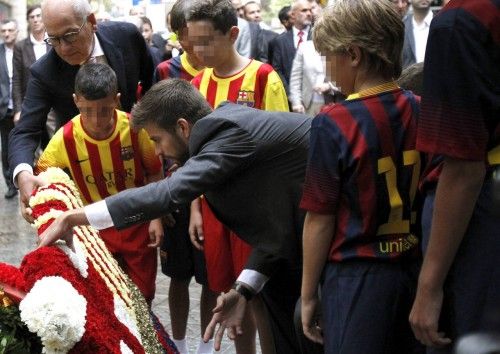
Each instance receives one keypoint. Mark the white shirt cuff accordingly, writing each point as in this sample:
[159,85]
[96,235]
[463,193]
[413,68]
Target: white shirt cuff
[20,168]
[253,279]
[98,215]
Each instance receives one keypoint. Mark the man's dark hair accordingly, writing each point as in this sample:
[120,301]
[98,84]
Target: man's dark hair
[95,81]
[220,13]
[146,21]
[31,9]
[284,14]
[166,102]
[412,78]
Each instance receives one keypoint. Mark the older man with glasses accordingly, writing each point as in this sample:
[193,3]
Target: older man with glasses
[75,37]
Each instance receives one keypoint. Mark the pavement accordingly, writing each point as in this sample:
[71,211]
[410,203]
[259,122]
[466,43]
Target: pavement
[17,238]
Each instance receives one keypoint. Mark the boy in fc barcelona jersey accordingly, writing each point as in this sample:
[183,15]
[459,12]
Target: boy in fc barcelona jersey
[360,234]
[105,156]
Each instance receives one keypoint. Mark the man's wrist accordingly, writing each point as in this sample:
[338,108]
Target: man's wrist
[243,290]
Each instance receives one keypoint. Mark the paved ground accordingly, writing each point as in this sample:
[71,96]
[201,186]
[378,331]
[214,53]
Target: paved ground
[17,238]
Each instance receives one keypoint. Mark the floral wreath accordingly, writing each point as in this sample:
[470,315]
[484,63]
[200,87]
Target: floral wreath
[75,302]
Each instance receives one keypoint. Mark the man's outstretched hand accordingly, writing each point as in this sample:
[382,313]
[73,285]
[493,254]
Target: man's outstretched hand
[62,228]
[228,314]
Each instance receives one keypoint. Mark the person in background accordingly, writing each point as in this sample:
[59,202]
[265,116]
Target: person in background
[285,17]
[146,29]
[401,7]
[8,32]
[76,38]
[417,26]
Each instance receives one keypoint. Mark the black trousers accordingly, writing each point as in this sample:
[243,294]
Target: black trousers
[280,295]
[6,125]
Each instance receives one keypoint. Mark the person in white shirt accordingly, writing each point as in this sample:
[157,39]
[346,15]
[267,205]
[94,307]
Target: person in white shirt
[416,32]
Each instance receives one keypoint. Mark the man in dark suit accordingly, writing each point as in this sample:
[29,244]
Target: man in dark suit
[282,48]
[76,39]
[8,31]
[249,165]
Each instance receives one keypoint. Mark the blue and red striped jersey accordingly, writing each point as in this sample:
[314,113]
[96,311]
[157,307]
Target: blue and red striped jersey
[175,68]
[460,113]
[363,169]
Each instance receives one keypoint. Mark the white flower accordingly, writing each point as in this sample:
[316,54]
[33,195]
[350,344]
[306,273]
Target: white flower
[124,348]
[125,317]
[78,257]
[56,312]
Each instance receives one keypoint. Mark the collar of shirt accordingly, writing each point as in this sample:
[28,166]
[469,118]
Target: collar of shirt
[97,55]
[35,42]
[425,23]
[296,35]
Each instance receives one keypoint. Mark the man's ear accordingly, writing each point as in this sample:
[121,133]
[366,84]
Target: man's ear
[355,55]
[117,99]
[93,21]
[233,34]
[75,99]
[184,128]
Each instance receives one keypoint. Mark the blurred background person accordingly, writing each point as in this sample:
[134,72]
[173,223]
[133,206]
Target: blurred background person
[8,31]
[401,7]
[417,26]
[285,17]
[146,29]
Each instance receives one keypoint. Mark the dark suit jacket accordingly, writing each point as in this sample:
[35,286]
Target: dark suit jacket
[281,55]
[4,84]
[250,165]
[52,81]
[24,57]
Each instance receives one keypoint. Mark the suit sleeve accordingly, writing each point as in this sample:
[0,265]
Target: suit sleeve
[277,60]
[296,78]
[146,63]
[25,137]
[220,157]
[17,78]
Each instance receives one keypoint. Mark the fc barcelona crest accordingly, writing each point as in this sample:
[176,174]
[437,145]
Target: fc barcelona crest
[246,98]
[127,153]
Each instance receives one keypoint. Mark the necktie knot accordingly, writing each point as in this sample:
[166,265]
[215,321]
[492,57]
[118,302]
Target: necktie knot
[301,39]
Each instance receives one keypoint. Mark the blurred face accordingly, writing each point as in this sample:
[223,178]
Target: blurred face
[301,14]
[421,4]
[210,46]
[147,32]
[137,11]
[339,71]
[401,6]
[315,10]
[35,21]
[171,145]
[187,46]
[59,21]
[252,12]
[97,116]
[9,33]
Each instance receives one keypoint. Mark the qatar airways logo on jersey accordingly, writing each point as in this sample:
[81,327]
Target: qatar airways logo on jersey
[108,177]
[246,98]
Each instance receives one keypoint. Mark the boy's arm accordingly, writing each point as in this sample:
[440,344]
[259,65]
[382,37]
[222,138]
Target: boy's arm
[317,237]
[457,191]
[275,98]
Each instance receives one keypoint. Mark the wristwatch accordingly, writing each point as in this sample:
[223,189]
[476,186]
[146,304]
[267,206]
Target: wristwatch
[243,290]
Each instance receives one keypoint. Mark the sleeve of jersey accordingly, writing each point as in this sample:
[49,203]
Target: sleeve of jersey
[53,155]
[275,98]
[150,161]
[322,181]
[456,74]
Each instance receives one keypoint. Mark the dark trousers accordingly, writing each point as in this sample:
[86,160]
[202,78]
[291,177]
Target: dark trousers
[280,295]
[6,125]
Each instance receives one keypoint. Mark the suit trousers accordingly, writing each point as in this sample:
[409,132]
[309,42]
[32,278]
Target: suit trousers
[280,294]
[6,125]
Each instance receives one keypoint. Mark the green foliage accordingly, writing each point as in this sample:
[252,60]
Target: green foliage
[15,338]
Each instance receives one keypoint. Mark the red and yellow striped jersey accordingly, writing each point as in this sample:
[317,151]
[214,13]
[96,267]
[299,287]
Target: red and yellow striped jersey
[256,86]
[101,168]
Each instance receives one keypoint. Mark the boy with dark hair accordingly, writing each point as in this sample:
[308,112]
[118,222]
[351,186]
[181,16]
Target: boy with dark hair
[212,32]
[105,156]
[360,188]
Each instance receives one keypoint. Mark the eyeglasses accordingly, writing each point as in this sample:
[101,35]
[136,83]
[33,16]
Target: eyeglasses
[67,38]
